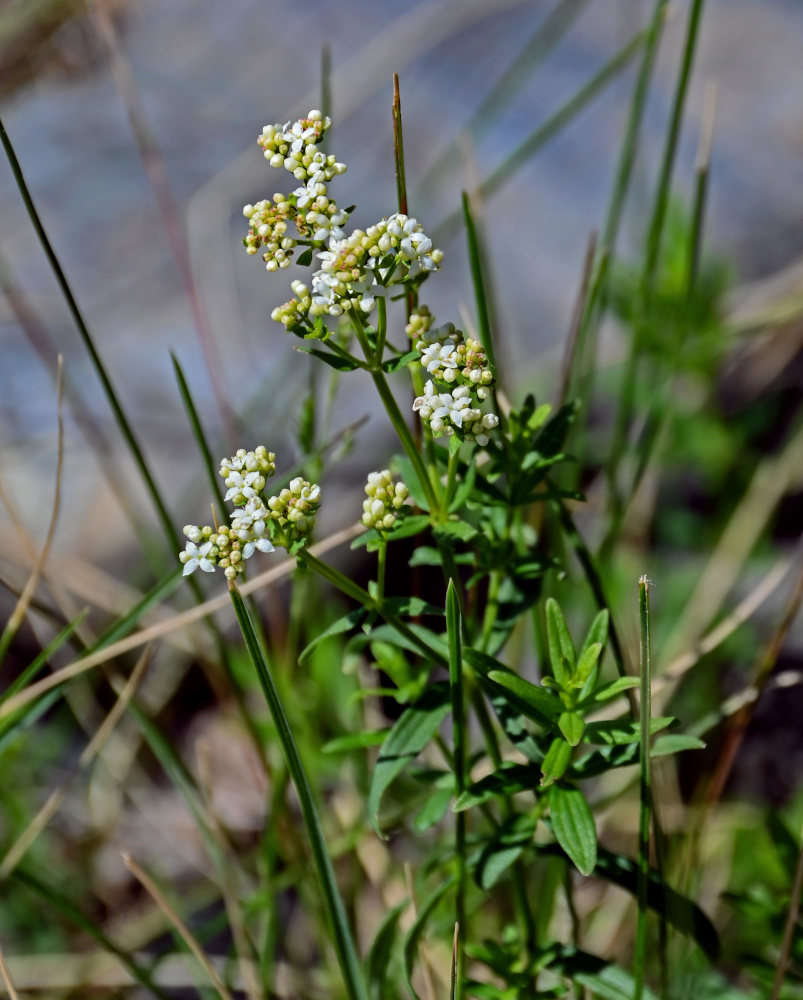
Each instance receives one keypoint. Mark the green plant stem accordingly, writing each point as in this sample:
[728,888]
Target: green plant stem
[381,560]
[343,941]
[789,929]
[381,329]
[645,786]
[122,421]
[451,482]
[454,631]
[395,415]
[353,590]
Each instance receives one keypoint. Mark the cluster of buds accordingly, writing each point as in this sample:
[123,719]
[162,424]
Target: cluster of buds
[246,473]
[460,383]
[449,358]
[294,312]
[293,511]
[421,319]
[257,522]
[384,500]
[360,267]
[268,231]
[316,216]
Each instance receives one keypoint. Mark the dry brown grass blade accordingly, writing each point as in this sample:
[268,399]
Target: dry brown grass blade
[186,935]
[21,608]
[181,620]
[7,978]
[19,848]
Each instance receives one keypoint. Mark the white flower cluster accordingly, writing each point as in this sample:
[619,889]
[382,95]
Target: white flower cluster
[361,267]
[455,406]
[316,216]
[385,498]
[257,522]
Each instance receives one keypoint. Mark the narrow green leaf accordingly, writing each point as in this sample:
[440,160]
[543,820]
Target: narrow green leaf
[556,761]
[379,957]
[463,491]
[402,361]
[586,663]
[543,705]
[624,729]
[508,779]
[411,607]
[561,647]
[504,848]
[413,936]
[671,743]
[36,665]
[435,808]
[344,624]
[572,725]
[573,826]
[411,732]
[335,361]
[305,257]
[614,689]
[598,632]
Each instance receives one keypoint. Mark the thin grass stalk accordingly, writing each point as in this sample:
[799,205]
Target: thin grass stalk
[75,916]
[6,976]
[548,130]
[645,787]
[454,629]
[570,353]
[198,432]
[342,938]
[175,920]
[100,369]
[398,148]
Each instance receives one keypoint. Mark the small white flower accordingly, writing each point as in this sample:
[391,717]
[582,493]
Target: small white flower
[195,557]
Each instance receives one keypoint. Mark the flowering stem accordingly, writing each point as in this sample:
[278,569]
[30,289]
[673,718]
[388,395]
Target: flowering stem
[394,414]
[451,481]
[343,941]
[381,329]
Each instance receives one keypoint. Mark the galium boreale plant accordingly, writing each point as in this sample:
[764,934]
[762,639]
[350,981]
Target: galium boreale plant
[502,800]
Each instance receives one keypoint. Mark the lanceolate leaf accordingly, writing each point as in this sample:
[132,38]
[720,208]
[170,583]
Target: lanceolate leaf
[411,732]
[506,846]
[572,725]
[556,761]
[605,980]
[508,779]
[344,624]
[561,647]
[542,705]
[598,631]
[623,730]
[573,826]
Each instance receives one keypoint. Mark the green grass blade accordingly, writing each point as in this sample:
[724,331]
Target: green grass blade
[111,395]
[342,938]
[68,909]
[33,668]
[198,434]
[476,263]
